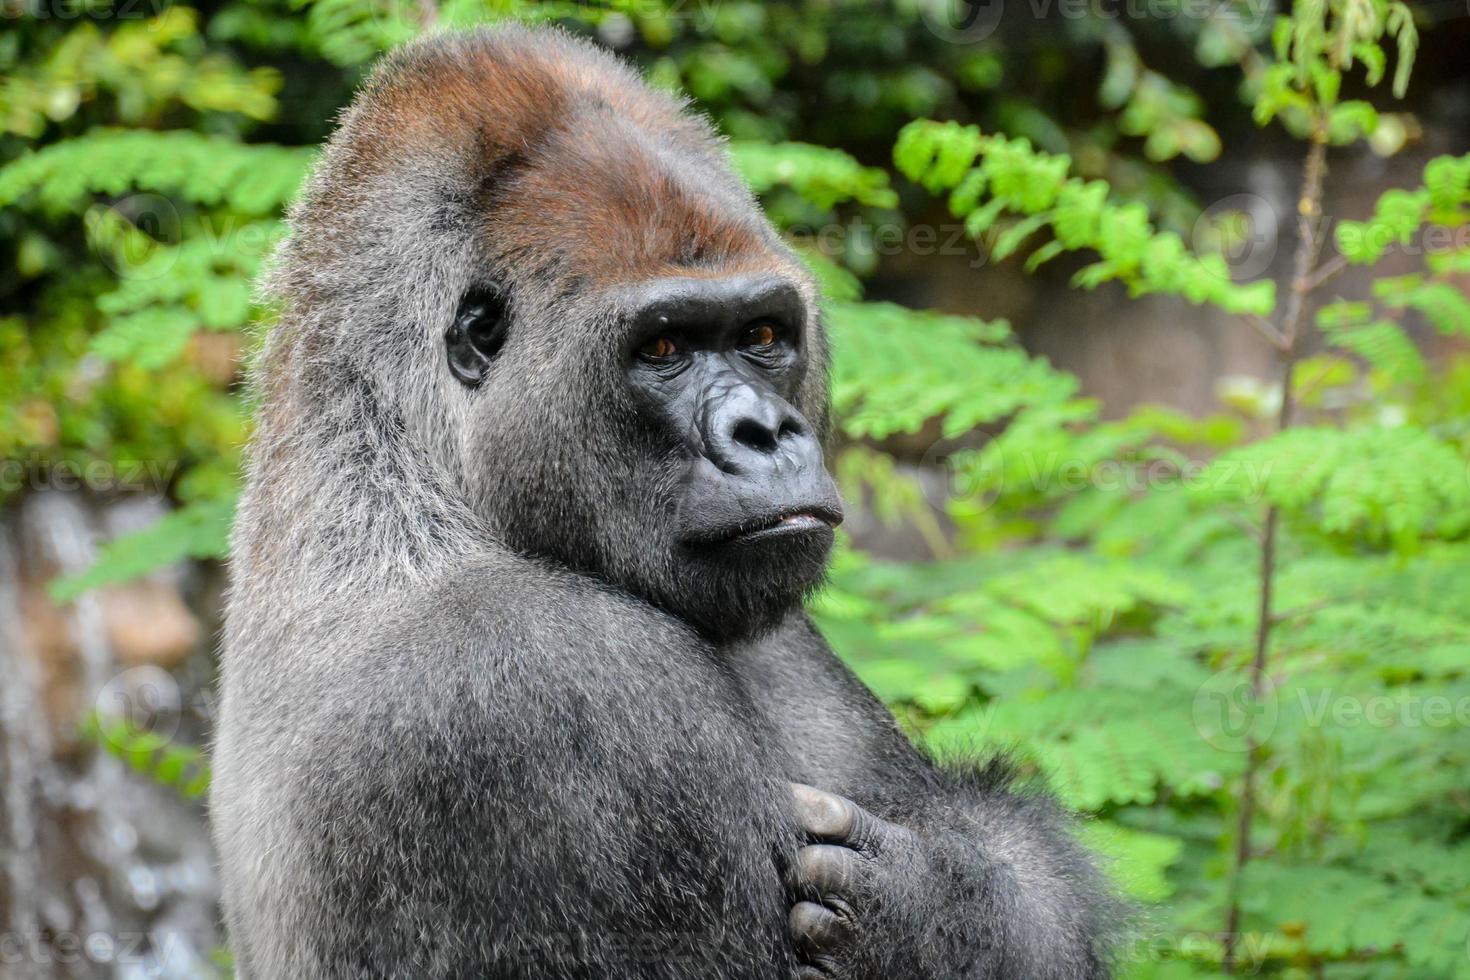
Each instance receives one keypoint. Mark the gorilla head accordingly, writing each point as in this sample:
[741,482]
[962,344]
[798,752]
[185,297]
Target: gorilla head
[612,360]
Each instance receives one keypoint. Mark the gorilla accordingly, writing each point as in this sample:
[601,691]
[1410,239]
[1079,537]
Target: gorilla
[516,680]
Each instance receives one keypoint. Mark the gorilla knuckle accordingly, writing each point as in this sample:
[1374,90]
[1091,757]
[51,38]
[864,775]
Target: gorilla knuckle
[814,926]
[828,868]
[824,814]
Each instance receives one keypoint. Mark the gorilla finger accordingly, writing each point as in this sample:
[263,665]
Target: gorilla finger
[815,928]
[828,870]
[835,819]
[823,814]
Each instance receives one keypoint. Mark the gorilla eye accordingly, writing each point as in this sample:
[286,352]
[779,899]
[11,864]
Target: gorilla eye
[759,335]
[659,348]
[476,335]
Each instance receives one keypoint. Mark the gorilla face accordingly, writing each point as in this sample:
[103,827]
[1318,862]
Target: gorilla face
[669,455]
[715,363]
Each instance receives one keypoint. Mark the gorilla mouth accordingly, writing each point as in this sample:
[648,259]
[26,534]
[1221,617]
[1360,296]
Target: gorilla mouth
[785,524]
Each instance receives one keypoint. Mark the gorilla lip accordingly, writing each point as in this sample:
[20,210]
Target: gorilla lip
[784,525]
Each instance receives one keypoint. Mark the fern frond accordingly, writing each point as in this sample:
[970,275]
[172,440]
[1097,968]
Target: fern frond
[207,170]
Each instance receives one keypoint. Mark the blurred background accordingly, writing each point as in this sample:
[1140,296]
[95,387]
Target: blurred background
[1152,382]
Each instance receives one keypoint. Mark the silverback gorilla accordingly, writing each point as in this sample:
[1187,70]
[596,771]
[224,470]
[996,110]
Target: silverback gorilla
[516,678]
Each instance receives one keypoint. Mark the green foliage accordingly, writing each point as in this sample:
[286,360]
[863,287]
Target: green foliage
[1315,46]
[251,180]
[1110,668]
[1138,860]
[821,176]
[1014,179]
[1400,214]
[1381,343]
[1128,696]
[143,64]
[1441,303]
[896,369]
[1166,114]
[183,767]
[1370,483]
[1092,593]
[197,530]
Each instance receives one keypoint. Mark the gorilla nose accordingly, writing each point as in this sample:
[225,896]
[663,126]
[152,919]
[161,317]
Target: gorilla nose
[760,473]
[750,432]
[761,425]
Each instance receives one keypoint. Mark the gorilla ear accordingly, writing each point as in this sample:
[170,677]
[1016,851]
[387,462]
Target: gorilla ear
[476,335]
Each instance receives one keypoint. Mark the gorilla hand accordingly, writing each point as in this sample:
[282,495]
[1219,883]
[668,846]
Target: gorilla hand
[859,891]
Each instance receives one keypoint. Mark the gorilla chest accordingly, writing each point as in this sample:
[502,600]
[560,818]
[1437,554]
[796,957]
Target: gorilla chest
[637,788]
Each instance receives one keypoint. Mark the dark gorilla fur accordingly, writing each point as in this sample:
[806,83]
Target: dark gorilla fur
[482,716]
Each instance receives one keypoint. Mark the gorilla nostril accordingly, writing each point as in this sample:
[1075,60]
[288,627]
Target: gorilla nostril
[790,429]
[753,435]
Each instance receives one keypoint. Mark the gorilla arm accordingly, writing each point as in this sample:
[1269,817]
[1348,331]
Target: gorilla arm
[913,869]
[549,789]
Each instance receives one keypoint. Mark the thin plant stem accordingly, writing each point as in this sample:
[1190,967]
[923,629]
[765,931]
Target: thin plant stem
[1304,281]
